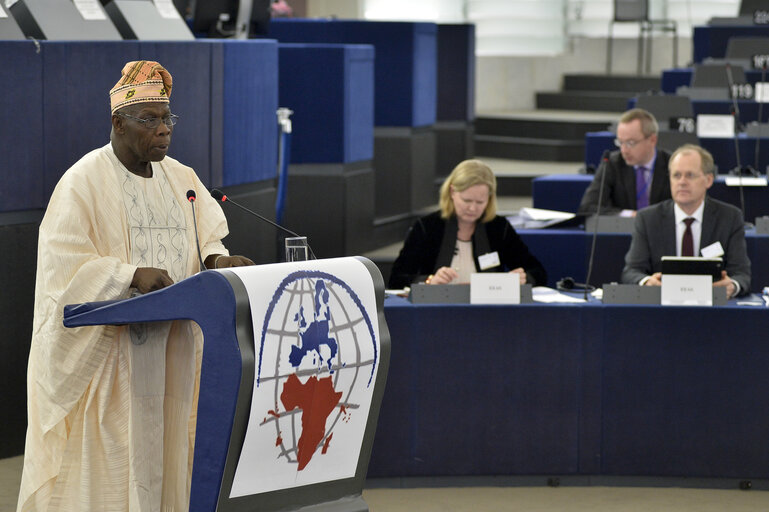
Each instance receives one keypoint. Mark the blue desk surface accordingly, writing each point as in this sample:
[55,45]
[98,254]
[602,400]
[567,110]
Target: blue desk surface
[574,389]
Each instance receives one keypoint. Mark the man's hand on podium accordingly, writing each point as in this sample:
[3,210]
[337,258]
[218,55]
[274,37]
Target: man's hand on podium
[148,279]
[221,261]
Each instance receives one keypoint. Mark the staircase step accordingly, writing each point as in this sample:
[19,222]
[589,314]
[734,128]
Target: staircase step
[537,128]
[632,84]
[528,148]
[584,100]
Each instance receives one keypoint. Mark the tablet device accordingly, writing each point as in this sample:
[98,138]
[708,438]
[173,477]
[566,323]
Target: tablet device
[692,265]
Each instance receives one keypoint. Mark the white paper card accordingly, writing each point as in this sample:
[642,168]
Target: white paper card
[90,10]
[167,10]
[762,92]
[745,181]
[488,260]
[495,288]
[2,12]
[711,125]
[687,290]
[714,250]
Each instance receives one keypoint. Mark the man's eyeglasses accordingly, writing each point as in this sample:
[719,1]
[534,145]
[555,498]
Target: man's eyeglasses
[630,144]
[153,122]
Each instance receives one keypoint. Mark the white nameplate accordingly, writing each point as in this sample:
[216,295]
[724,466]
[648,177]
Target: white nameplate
[167,10]
[489,260]
[762,92]
[745,181]
[2,12]
[495,288]
[90,10]
[712,126]
[687,290]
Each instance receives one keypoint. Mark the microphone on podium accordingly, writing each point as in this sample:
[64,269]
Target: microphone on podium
[191,196]
[221,196]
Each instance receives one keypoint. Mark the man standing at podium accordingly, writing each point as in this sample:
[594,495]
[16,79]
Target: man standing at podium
[690,224]
[635,175]
[112,409]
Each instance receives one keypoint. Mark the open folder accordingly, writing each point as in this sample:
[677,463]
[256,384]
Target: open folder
[537,218]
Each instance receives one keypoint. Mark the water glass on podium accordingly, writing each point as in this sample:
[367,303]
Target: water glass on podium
[296,248]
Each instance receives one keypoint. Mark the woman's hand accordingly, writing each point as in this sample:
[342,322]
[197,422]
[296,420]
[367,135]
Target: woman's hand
[443,275]
[522,273]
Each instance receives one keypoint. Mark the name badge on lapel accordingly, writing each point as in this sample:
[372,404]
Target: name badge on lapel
[488,260]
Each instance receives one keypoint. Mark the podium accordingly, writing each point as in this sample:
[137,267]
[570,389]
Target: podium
[252,351]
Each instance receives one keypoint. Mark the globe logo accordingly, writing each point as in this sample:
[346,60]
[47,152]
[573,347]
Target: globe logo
[317,358]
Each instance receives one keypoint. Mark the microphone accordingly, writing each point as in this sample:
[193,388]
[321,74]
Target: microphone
[601,167]
[221,196]
[191,198]
[736,113]
[760,116]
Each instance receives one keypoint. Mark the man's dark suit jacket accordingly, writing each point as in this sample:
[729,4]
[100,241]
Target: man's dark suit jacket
[655,236]
[619,191]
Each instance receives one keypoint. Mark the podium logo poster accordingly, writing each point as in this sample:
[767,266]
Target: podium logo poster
[317,353]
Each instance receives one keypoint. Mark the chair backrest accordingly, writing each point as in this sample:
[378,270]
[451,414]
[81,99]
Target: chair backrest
[665,107]
[746,47]
[673,140]
[631,10]
[716,75]
[748,7]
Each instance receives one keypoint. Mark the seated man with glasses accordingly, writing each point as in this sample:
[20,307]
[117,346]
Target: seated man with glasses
[635,175]
[689,224]
[112,409]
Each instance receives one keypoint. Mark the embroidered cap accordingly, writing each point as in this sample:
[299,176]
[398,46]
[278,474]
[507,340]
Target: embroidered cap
[142,81]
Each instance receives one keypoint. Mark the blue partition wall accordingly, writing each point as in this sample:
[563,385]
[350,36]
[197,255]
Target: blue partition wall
[406,62]
[21,129]
[330,88]
[224,91]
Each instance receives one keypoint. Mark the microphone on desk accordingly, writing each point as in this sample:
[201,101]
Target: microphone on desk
[756,161]
[737,171]
[191,196]
[602,170]
[221,196]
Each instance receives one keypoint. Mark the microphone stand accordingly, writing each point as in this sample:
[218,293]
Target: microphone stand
[736,115]
[602,167]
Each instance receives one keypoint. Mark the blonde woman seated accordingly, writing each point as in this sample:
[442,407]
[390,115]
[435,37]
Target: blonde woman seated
[465,236]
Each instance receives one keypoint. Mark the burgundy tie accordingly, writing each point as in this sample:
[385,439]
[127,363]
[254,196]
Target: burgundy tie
[687,242]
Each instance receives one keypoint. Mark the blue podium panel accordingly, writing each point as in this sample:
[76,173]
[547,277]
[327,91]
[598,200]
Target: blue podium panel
[263,329]
[243,104]
[482,391]
[679,399]
[456,72]
[406,60]
[657,391]
[77,79]
[189,63]
[711,41]
[330,88]
[21,126]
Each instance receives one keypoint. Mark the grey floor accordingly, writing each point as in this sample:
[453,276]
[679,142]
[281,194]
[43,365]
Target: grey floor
[496,499]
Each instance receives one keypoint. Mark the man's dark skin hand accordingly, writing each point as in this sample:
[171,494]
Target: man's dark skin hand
[149,279]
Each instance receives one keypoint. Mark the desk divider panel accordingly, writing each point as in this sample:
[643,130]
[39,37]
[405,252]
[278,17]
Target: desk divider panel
[21,126]
[406,62]
[330,88]
[225,93]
